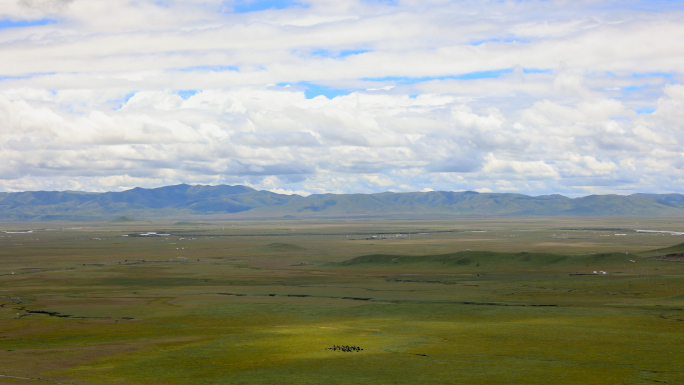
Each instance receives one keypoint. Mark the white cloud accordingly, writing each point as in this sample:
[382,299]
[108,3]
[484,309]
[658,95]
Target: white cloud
[536,97]
[379,180]
[507,186]
[648,135]
[519,169]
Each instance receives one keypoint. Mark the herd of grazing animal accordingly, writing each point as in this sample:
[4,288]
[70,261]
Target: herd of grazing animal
[345,348]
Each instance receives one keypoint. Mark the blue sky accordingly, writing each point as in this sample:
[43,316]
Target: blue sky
[534,97]
[255,6]
[6,23]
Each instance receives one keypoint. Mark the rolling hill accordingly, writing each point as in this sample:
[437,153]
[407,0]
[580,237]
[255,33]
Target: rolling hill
[185,200]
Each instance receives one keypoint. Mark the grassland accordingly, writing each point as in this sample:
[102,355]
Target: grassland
[496,301]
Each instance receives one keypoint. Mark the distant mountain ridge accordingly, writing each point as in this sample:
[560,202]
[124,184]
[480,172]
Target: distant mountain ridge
[186,200]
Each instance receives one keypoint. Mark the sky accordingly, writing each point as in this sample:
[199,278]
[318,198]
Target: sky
[571,97]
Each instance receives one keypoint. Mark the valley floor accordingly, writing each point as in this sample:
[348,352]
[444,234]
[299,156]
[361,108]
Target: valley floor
[497,301]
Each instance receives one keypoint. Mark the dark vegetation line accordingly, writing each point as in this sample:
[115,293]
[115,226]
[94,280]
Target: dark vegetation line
[426,281]
[592,229]
[295,295]
[35,379]
[316,234]
[45,270]
[38,270]
[671,317]
[60,315]
[176,233]
[13,299]
[389,300]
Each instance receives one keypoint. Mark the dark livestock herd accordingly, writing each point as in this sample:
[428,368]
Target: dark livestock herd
[345,348]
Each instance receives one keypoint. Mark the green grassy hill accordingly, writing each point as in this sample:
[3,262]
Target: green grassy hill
[487,260]
[186,200]
[679,248]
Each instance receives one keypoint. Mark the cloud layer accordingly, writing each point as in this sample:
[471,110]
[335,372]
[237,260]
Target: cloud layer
[536,97]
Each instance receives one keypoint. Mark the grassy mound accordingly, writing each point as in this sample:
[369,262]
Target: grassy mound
[283,247]
[679,248]
[475,259]
[123,219]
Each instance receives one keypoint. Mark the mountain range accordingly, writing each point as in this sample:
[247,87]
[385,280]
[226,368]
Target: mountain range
[185,201]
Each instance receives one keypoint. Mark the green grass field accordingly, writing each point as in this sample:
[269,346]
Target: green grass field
[481,301]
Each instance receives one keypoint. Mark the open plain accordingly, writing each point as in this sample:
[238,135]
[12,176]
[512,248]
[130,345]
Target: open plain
[498,301]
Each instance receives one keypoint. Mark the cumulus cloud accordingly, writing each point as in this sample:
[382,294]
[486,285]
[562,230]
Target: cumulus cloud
[45,5]
[532,96]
